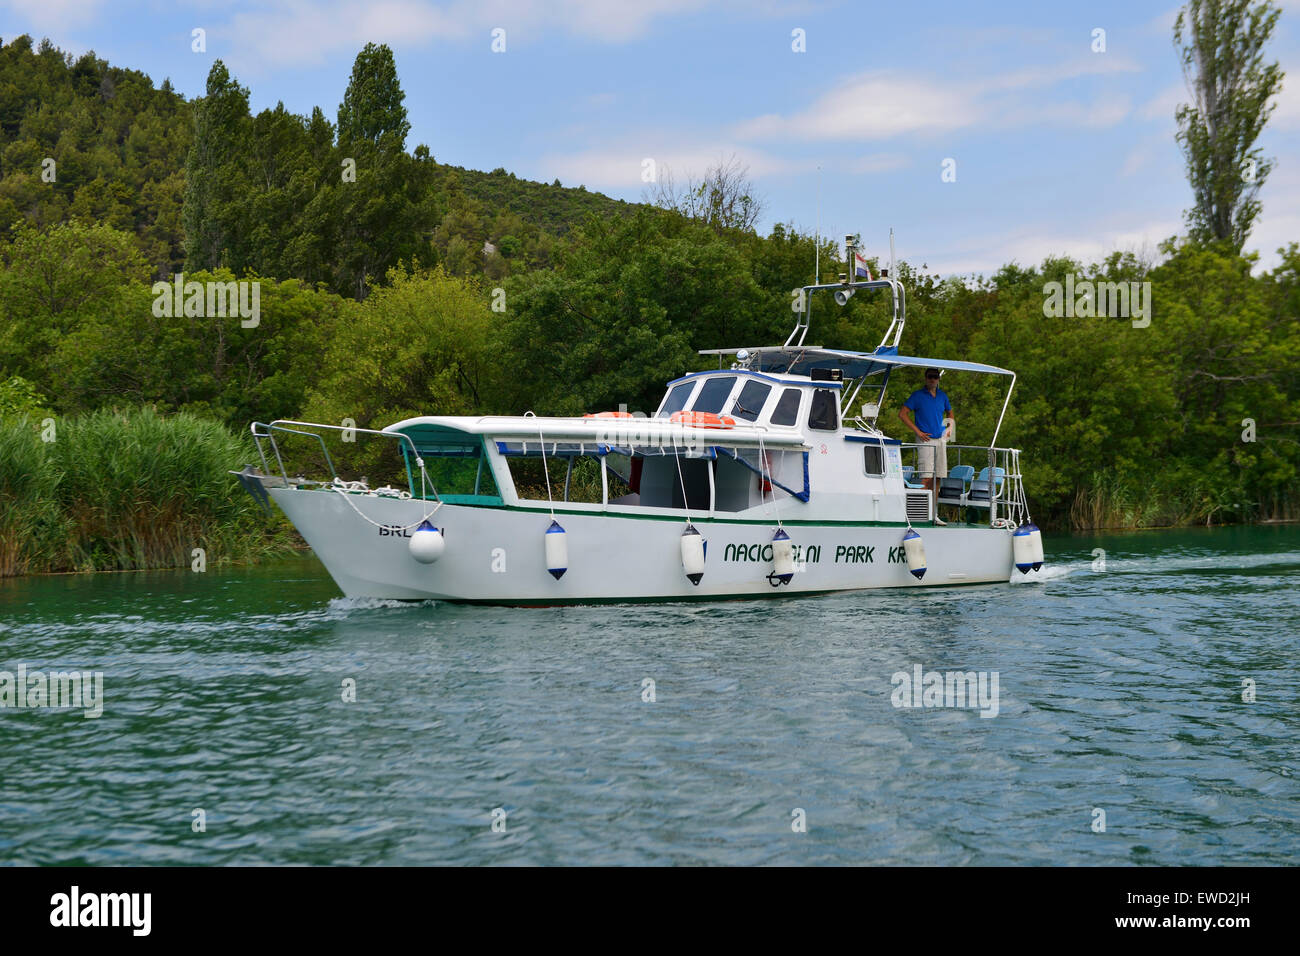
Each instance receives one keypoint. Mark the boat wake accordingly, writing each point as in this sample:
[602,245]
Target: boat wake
[1051,572]
[341,607]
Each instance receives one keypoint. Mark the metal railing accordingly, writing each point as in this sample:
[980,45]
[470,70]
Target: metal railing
[261,430]
[1005,499]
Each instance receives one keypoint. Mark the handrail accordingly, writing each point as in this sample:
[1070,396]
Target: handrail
[280,425]
[1010,491]
[293,431]
[898,295]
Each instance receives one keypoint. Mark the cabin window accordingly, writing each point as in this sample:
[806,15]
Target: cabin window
[572,470]
[873,457]
[676,399]
[787,408]
[456,467]
[749,403]
[714,394]
[824,415]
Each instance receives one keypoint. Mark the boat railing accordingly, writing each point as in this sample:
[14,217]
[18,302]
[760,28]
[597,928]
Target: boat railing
[994,480]
[262,431]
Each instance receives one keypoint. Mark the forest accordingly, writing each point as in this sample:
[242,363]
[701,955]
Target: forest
[392,285]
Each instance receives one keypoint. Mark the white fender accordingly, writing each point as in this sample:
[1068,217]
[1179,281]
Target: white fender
[914,548]
[782,556]
[557,550]
[427,543]
[1022,549]
[1036,539]
[693,554]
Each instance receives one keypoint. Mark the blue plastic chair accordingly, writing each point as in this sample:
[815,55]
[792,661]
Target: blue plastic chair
[979,495]
[908,471]
[952,490]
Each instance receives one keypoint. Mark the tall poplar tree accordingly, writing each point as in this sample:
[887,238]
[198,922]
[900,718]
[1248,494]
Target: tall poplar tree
[1221,45]
[379,215]
[212,171]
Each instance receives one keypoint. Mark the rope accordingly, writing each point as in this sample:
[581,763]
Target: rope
[344,488]
[764,474]
[686,505]
[545,470]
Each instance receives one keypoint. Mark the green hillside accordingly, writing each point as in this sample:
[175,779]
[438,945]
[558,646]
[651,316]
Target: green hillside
[120,147]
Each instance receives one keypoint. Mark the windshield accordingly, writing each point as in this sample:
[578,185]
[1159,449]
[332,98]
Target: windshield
[676,399]
[749,403]
[714,394]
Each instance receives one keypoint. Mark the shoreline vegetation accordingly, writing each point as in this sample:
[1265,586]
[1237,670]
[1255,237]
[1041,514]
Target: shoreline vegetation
[359,281]
[127,492]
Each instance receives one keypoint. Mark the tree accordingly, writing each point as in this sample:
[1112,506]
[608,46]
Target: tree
[424,343]
[633,300]
[723,199]
[372,107]
[52,281]
[1220,44]
[212,176]
[382,216]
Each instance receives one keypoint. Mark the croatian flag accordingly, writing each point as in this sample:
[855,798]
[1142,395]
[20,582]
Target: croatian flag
[860,265]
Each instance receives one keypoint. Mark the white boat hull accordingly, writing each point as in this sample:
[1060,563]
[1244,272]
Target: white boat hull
[498,555]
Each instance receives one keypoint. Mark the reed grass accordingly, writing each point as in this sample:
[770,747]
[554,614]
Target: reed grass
[127,490]
[1176,497]
[32,527]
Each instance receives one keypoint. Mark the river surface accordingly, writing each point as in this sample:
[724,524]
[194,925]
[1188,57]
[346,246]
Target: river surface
[1146,713]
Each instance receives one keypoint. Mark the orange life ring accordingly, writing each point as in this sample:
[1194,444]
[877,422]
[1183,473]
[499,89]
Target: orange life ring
[608,415]
[702,419]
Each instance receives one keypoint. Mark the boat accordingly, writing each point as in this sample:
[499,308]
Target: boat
[763,477]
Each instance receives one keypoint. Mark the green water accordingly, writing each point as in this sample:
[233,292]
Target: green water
[1119,690]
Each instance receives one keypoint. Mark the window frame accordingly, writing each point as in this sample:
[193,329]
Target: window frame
[798,407]
[829,397]
[879,449]
[761,405]
[690,394]
[695,399]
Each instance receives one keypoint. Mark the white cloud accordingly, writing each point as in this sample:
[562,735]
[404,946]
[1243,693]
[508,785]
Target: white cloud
[44,15]
[1163,105]
[1137,157]
[1030,246]
[1279,220]
[873,106]
[1037,77]
[1286,112]
[883,104]
[620,168]
[1163,23]
[298,32]
[1101,113]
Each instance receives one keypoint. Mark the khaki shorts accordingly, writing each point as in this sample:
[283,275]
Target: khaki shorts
[932,459]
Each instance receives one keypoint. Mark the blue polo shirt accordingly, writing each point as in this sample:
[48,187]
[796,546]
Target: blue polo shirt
[928,412]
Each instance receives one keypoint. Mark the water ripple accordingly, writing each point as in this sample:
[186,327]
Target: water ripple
[1119,691]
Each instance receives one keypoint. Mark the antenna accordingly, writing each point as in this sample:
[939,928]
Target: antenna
[817,258]
[817,270]
[891,253]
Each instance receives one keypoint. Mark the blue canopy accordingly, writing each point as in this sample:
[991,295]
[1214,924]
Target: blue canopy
[801,361]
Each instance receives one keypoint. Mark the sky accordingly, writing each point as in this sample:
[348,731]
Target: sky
[1052,147]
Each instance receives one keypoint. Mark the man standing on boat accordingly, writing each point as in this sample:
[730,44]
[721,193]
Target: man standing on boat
[929,405]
